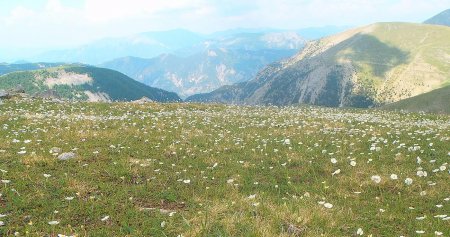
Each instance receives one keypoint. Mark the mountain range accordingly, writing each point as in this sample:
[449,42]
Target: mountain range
[225,60]
[392,65]
[151,44]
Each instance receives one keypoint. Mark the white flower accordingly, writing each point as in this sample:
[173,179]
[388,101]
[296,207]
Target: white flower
[47,175]
[422,173]
[328,205]
[252,196]
[420,231]
[6,181]
[359,231]
[2,223]
[287,142]
[53,222]
[21,152]
[163,224]
[187,181]
[353,163]
[69,198]
[438,233]
[333,160]
[230,181]
[376,178]
[394,177]
[105,218]
[408,181]
[338,171]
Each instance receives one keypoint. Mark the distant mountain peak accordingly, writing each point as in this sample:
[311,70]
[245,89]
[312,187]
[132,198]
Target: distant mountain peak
[442,18]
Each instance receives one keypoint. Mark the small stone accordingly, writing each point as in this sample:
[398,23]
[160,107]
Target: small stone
[66,156]
[293,230]
[55,150]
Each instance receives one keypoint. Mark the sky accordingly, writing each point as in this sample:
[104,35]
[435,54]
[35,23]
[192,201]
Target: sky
[51,24]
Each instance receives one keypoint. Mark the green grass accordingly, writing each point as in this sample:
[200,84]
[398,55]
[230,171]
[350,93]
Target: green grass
[134,162]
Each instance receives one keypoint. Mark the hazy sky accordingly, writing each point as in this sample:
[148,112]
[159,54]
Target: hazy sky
[61,23]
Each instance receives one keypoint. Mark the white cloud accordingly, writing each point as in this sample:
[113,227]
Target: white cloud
[107,10]
[57,24]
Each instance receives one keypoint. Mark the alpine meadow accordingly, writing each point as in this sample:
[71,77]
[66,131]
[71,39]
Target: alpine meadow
[237,118]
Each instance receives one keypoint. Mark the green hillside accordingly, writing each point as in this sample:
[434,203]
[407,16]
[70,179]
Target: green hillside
[436,101]
[84,83]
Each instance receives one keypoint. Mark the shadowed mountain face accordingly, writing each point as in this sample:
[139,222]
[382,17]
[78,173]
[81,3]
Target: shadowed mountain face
[363,67]
[367,50]
[442,18]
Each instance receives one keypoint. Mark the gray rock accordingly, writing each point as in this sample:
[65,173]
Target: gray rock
[66,156]
[142,100]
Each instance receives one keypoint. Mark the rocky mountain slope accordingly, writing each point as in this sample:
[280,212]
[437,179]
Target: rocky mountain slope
[442,18]
[83,83]
[363,67]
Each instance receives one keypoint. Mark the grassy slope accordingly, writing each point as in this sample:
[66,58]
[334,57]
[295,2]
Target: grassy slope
[113,83]
[400,59]
[163,156]
[436,101]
